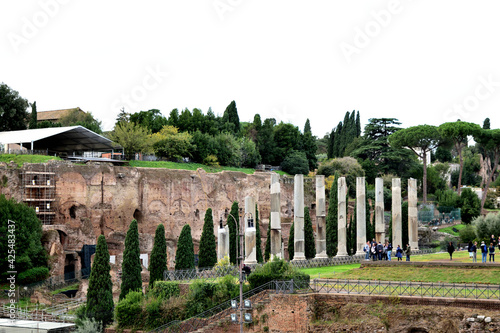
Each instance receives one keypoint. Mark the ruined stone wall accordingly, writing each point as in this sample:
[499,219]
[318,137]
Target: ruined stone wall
[100,198]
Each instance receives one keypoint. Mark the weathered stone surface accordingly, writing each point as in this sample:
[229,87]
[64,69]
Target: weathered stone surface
[298,218]
[320,217]
[412,214]
[222,242]
[396,214]
[379,210]
[360,215]
[250,231]
[342,218]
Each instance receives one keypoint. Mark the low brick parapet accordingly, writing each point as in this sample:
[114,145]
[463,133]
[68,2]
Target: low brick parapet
[385,263]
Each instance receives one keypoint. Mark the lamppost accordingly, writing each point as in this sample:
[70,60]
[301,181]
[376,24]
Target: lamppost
[240,236]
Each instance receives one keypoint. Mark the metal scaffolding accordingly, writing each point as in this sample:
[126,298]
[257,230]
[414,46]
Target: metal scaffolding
[39,191]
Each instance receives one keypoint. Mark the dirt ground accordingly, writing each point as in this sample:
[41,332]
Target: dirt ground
[380,317]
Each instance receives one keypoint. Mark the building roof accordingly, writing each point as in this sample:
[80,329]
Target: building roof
[54,114]
[59,139]
[42,325]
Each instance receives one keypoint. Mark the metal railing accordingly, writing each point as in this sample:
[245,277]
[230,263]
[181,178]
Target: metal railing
[56,313]
[223,311]
[407,288]
[55,282]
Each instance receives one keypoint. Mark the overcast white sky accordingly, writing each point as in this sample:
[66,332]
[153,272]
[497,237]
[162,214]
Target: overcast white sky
[424,62]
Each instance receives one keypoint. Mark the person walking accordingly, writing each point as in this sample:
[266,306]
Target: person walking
[492,252]
[399,253]
[484,252]
[474,252]
[389,251]
[380,250]
[451,249]
[408,252]
[469,249]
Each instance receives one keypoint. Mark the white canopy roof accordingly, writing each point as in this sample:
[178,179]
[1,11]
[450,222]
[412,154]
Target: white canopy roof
[59,139]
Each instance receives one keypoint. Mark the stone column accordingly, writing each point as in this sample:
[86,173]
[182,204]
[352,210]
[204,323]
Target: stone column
[250,231]
[320,218]
[360,215]
[379,211]
[275,217]
[298,218]
[342,218]
[412,214]
[396,214]
[222,242]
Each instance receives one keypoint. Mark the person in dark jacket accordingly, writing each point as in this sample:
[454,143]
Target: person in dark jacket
[484,252]
[492,252]
[380,250]
[469,249]
[474,252]
[451,249]
[408,252]
[399,253]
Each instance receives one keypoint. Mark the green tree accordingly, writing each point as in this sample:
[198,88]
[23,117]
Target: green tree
[123,117]
[230,119]
[267,250]
[421,139]
[309,243]
[158,263]
[287,138]
[171,144]
[132,137]
[490,141]
[207,256]
[100,292]
[332,219]
[184,256]
[291,242]
[78,117]
[33,118]
[233,226]
[131,265]
[470,205]
[457,132]
[296,163]
[266,143]
[26,229]
[486,123]
[258,242]
[310,147]
[152,119]
[13,110]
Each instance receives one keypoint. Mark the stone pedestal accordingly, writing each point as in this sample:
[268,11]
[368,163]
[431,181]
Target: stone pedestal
[298,218]
[396,214]
[360,215]
[412,214]
[320,218]
[250,231]
[379,211]
[222,242]
[276,246]
[342,218]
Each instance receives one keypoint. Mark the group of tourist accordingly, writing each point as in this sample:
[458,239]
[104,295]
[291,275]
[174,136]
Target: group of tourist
[472,249]
[378,251]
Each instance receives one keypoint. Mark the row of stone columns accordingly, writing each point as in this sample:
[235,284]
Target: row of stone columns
[299,245]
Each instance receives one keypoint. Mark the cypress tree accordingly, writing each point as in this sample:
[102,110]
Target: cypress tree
[158,263]
[33,118]
[291,246]
[207,254]
[358,125]
[131,266]
[258,241]
[184,256]
[267,251]
[404,224]
[309,243]
[309,146]
[233,225]
[99,295]
[331,140]
[332,219]
[370,227]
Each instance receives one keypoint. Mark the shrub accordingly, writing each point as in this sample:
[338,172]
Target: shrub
[33,275]
[347,167]
[295,163]
[129,310]
[165,289]
[277,269]
[470,205]
[211,160]
[87,325]
[486,226]
[467,234]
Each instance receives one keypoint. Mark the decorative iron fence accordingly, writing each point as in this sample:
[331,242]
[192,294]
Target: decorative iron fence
[55,282]
[421,289]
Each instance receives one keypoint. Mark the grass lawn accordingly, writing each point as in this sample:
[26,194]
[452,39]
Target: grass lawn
[186,166]
[21,159]
[74,286]
[329,272]
[449,230]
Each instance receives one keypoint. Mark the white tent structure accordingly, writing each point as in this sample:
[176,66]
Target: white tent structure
[60,140]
